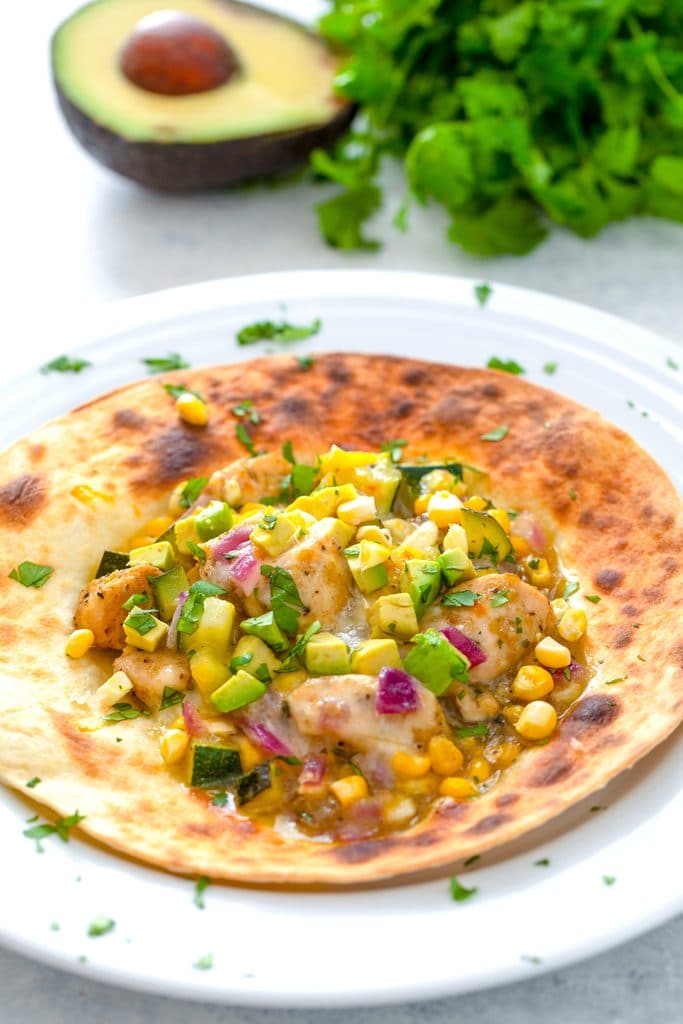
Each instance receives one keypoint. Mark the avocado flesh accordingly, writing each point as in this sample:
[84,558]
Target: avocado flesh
[262,121]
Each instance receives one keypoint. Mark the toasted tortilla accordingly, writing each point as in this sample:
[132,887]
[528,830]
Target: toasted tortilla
[621,536]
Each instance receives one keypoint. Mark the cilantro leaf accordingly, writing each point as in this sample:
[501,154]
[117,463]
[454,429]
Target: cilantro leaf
[29,574]
[394,448]
[194,605]
[135,601]
[32,783]
[170,698]
[483,293]
[480,729]
[60,828]
[459,892]
[499,598]
[220,799]
[299,647]
[593,598]
[124,712]
[204,963]
[177,390]
[268,330]
[191,490]
[506,365]
[196,551]
[200,886]
[65,364]
[550,368]
[164,364]
[672,364]
[242,436]
[305,362]
[609,879]
[100,926]
[285,601]
[495,435]
[461,599]
[570,587]
[141,621]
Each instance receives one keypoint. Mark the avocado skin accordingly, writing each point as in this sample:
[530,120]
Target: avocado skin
[190,167]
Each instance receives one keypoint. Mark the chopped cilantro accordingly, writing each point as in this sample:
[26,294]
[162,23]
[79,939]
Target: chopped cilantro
[246,409]
[200,886]
[495,435]
[594,598]
[285,601]
[534,563]
[135,601]
[124,713]
[353,551]
[198,552]
[394,448]
[483,293]
[170,698]
[550,368]
[542,863]
[194,605]
[29,574]
[60,828]
[219,799]
[672,364]
[267,330]
[54,926]
[239,661]
[65,364]
[480,729]
[611,682]
[459,892]
[570,587]
[572,494]
[301,477]
[268,522]
[191,490]
[472,860]
[499,598]
[609,879]
[141,621]
[535,960]
[305,362]
[32,783]
[294,761]
[100,926]
[242,436]
[204,963]
[177,390]
[506,365]
[164,364]
[461,599]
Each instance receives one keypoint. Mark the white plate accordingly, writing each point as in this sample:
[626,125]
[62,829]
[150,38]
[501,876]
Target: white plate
[400,941]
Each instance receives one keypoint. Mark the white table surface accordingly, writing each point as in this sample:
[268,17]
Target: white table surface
[75,237]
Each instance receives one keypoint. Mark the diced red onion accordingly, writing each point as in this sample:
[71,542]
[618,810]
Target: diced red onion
[574,668]
[313,770]
[231,541]
[172,635]
[462,643]
[194,723]
[397,692]
[376,767]
[365,817]
[262,735]
[527,526]
[245,571]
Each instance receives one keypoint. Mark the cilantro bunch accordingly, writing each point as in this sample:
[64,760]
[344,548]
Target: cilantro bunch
[509,114]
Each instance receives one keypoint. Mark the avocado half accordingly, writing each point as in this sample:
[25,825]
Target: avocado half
[265,120]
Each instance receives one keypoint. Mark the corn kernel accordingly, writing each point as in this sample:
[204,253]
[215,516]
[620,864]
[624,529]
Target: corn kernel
[572,625]
[446,758]
[410,766]
[160,524]
[507,754]
[501,517]
[399,810]
[531,683]
[374,533]
[487,704]
[424,786]
[520,546]
[79,643]
[457,787]
[350,789]
[551,654]
[173,745]
[455,539]
[192,409]
[559,607]
[421,504]
[539,574]
[537,720]
[444,508]
[512,712]
[86,495]
[477,503]
[359,510]
[479,769]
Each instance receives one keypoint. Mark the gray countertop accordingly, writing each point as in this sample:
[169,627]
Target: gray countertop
[79,237]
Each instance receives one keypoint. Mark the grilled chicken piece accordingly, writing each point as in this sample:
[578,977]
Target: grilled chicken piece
[150,674]
[249,479]
[342,708]
[100,604]
[504,632]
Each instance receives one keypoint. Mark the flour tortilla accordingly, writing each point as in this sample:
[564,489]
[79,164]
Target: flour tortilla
[622,538]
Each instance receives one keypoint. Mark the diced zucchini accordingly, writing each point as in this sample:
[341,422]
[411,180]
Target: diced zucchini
[213,766]
[111,561]
[261,789]
[255,782]
[159,554]
[485,536]
[167,588]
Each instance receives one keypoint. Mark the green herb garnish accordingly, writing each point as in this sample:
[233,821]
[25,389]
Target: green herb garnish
[550,368]
[300,479]
[612,682]
[461,599]
[196,551]
[194,605]
[459,892]
[480,729]
[246,409]
[506,365]
[542,863]
[395,448]
[219,799]
[191,491]
[200,886]
[242,436]
[609,879]
[594,598]
[495,435]
[570,587]
[141,621]
[60,828]
[32,783]
[299,647]
[178,390]
[29,574]
[135,601]
[239,661]
[499,598]
[204,963]
[305,362]
[672,364]
[472,860]
[164,364]
[170,698]
[268,330]
[100,926]
[572,494]
[285,601]
[123,712]
[65,364]
[483,293]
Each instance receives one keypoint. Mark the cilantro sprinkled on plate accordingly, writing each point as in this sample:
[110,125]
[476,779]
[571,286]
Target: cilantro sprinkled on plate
[609,879]
[550,368]
[65,364]
[268,330]
[506,365]
[483,293]
[205,963]
[164,364]
[461,599]
[199,887]
[459,892]
[30,574]
[101,926]
[60,828]
[496,435]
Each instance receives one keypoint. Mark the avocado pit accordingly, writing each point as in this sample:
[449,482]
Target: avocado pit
[174,54]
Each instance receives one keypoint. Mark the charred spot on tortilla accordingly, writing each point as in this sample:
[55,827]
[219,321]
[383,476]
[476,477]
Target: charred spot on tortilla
[22,498]
[596,711]
[608,579]
[128,419]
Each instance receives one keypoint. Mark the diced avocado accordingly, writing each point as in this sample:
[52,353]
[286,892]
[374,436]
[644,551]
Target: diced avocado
[371,656]
[394,614]
[266,629]
[380,481]
[436,662]
[167,588]
[252,654]
[485,536]
[111,561]
[212,520]
[324,502]
[275,533]
[213,766]
[160,554]
[239,690]
[208,671]
[367,566]
[214,629]
[455,566]
[421,579]
[186,530]
[151,633]
[327,655]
